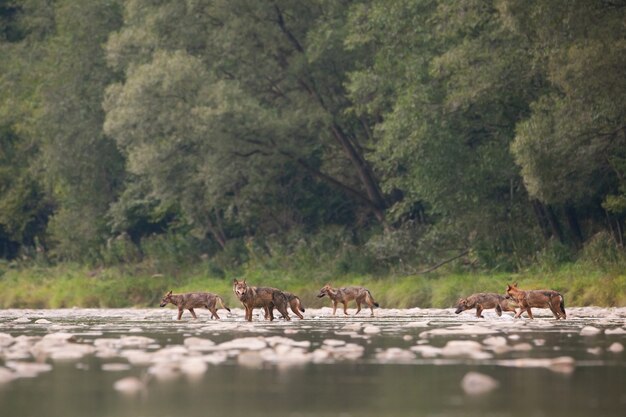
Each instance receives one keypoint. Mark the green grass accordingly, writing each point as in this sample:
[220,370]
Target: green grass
[71,285]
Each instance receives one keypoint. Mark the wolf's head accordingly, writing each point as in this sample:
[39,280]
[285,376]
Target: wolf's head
[240,288]
[166,299]
[325,290]
[461,305]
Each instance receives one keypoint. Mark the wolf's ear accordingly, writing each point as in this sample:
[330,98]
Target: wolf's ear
[515,284]
[235,281]
[169,293]
[244,281]
[508,287]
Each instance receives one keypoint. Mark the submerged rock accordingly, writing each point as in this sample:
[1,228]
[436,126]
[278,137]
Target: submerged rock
[590,331]
[130,385]
[616,347]
[474,383]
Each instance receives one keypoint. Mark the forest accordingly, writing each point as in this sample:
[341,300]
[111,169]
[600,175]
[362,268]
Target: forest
[368,136]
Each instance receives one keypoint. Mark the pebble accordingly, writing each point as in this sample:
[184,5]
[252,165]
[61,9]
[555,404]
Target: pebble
[129,385]
[616,347]
[475,383]
[590,331]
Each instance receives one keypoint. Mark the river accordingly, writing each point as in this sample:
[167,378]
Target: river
[410,362]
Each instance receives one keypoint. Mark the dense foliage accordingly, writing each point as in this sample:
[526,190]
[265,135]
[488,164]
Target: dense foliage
[382,134]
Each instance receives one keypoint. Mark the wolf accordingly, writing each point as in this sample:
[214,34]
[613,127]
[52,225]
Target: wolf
[193,300]
[346,294]
[294,303]
[537,298]
[268,298]
[482,301]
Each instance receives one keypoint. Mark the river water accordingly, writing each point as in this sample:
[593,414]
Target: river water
[412,362]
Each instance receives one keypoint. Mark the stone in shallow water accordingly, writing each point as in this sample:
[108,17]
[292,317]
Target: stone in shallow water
[199,344]
[395,355]
[616,347]
[464,329]
[115,367]
[6,340]
[244,343]
[617,330]
[464,349]
[474,383]
[590,331]
[6,375]
[130,385]
[371,330]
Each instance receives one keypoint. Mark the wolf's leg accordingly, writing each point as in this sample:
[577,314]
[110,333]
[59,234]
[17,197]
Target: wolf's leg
[345,308]
[554,310]
[498,310]
[214,313]
[295,311]
[358,307]
[530,314]
[479,311]
[248,313]
[180,313]
[334,307]
[193,313]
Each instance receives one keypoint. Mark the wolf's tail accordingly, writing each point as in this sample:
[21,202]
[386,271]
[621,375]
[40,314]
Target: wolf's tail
[222,304]
[371,299]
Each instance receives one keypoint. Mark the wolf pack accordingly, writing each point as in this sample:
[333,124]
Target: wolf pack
[513,300]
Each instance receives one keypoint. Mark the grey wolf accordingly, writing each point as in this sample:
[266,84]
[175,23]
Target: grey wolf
[344,295]
[537,298]
[193,300]
[265,297]
[482,301]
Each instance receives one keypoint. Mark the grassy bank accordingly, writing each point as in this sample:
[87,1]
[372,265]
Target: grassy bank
[70,285]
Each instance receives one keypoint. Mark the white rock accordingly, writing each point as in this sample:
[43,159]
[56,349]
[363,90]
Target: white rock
[616,347]
[474,383]
[371,330]
[427,351]
[595,350]
[43,321]
[617,330]
[199,344]
[244,343]
[21,320]
[115,367]
[6,375]
[464,329]
[590,331]
[250,359]
[129,385]
[6,340]
[395,355]
[495,341]
[464,348]
[334,342]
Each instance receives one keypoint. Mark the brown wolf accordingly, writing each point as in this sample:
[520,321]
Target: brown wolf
[537,298]
[268,298]
[193,300]
[294,303]
[344,295]
[482,301]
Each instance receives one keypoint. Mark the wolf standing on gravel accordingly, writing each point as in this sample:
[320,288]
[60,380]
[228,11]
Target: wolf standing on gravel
[537,298]
[482,301]
[193,300]
[268,298]
[346,294]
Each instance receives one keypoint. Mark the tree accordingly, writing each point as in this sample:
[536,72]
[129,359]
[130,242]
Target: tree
[221,99]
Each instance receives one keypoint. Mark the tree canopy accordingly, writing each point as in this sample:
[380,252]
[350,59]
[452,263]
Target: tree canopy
[423,129]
